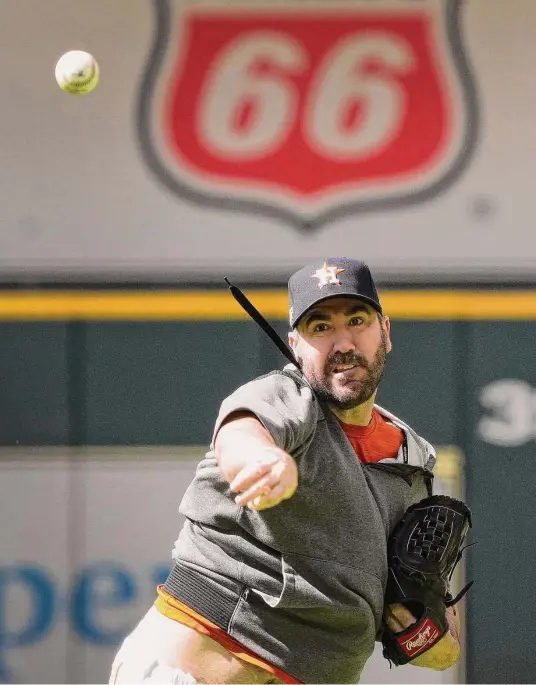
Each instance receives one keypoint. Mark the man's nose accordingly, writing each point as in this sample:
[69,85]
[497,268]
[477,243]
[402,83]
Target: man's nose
[344,343]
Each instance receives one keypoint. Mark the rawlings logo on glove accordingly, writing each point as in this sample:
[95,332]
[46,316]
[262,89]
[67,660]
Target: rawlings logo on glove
[426,635]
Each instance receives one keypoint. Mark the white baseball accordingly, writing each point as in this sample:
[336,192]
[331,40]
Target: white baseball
[77,72]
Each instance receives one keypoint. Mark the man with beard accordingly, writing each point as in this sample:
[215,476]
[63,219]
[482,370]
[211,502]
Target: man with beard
[280,568]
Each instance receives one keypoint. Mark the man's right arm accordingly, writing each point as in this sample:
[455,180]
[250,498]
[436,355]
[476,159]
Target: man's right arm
[257,469]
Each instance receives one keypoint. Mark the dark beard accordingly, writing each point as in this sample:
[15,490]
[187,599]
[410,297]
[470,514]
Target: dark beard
[368,385]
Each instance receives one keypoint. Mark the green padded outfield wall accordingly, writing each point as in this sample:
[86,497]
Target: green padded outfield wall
[102,377]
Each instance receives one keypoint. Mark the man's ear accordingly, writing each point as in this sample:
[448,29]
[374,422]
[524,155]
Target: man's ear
[292,340]
[387,328]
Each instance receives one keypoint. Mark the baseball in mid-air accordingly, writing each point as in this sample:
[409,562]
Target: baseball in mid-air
[77,72]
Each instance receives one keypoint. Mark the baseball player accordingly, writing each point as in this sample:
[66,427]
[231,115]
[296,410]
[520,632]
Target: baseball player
[311,529]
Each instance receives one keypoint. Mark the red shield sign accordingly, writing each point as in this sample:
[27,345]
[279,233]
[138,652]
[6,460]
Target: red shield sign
[307,111]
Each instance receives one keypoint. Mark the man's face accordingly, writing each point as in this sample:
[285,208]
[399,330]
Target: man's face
[341,345]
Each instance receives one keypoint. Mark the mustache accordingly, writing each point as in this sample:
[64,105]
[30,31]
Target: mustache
[338,359]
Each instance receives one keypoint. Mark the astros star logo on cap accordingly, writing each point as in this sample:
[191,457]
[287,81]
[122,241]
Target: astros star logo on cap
[327,275]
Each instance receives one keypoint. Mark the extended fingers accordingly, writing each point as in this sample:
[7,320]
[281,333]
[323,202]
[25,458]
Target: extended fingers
[265,483]
[250,475]
[270,499]
[263,487]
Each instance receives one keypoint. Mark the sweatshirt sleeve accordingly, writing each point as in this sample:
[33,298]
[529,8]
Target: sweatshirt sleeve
[287,411]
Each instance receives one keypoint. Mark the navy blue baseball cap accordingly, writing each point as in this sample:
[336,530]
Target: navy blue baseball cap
[328,278]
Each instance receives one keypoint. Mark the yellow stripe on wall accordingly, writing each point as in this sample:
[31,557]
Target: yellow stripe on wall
[198,305]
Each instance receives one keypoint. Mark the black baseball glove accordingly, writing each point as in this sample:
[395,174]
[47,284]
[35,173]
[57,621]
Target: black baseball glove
[423,550]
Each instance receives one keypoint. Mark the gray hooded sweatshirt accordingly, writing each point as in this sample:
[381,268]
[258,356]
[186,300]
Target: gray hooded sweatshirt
[301,584]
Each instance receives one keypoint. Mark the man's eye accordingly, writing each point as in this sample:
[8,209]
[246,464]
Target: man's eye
[357,321]
[320,327]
